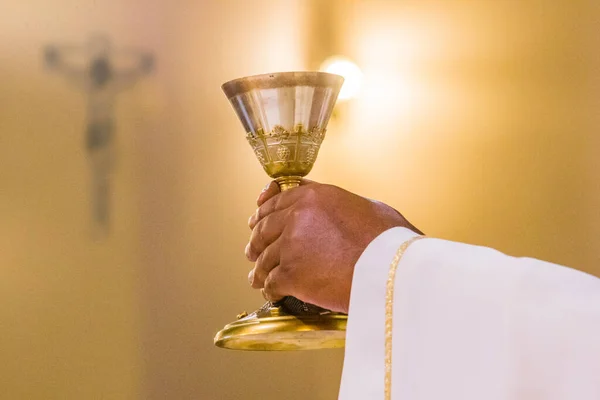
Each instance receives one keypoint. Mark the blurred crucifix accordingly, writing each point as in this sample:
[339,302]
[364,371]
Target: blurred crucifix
[101,72]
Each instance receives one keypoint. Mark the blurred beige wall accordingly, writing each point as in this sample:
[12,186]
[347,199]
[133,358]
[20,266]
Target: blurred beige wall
[478,120]
[69,305]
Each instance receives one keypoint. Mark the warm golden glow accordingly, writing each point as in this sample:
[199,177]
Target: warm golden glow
[477,120]
[352,74]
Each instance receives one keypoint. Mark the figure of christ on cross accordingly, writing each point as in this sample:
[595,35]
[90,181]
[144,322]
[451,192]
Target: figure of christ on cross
[101,72]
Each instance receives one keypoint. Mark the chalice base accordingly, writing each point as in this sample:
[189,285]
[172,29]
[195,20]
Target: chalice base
[270,328]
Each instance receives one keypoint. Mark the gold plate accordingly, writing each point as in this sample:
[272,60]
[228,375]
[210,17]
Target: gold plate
[274,330]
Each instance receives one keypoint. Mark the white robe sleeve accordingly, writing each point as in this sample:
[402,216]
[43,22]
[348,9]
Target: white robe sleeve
[471,323]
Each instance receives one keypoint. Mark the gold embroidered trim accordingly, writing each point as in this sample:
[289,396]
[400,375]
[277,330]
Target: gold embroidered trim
[389,315]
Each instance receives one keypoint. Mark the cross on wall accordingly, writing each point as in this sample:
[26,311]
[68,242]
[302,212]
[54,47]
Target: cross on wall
[101,72]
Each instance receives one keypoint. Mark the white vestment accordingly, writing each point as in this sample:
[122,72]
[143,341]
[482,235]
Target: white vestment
[471,323]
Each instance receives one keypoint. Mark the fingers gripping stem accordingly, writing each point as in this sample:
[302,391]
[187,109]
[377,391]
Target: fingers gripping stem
[291,304]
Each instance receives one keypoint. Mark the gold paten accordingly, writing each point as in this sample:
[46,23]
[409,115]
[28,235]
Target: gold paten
[285,116]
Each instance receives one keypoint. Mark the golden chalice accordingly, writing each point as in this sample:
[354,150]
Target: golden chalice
[285,117]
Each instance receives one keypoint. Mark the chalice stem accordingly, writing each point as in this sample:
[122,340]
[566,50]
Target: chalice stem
[288,182]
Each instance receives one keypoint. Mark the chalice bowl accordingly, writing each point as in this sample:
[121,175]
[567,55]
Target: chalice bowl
[285,117]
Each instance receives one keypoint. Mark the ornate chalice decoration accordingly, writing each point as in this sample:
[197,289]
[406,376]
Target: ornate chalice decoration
[285,116]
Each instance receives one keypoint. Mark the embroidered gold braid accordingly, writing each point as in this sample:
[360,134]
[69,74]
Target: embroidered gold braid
[389,315]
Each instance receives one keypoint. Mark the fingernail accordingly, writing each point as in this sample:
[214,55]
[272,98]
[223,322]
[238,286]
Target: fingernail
[247,250]
[251,277]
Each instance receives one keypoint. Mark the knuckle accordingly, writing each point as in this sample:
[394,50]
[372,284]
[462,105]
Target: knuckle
[271,284]
[247,251]
[257,214]
[258,238]
[296,214]
[294,236]
[259,232]
[287,239]
[260,260]
[252,252]
[260,264]
[262,267]
[285,271]
[258,281]
[312,194]
[281,282]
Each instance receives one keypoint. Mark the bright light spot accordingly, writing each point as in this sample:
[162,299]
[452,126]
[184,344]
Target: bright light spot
[353,76]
